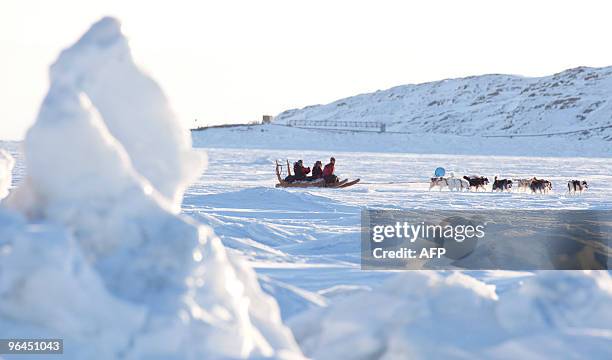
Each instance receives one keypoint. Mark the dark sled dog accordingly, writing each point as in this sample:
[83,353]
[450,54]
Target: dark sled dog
[577,186]
[476,182]
[540,185]
[502,184]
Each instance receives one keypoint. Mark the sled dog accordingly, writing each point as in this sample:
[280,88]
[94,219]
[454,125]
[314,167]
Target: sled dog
[502,184]
[522,184]
[540,185]
[577,186]
[477,182]
[439,182]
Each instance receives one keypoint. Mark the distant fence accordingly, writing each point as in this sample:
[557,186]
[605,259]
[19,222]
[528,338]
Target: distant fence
[380,127]
[202,128]
[338,124]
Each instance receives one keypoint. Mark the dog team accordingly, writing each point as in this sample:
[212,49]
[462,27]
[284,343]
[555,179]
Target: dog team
[475,183]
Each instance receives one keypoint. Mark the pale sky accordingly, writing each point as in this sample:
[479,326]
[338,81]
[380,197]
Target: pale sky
[233,61]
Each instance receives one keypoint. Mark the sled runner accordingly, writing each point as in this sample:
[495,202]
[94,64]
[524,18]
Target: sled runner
[312,183]
[350,183]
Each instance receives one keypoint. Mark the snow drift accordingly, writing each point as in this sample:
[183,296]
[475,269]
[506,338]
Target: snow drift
[107,164]
[6,172]
[421,315]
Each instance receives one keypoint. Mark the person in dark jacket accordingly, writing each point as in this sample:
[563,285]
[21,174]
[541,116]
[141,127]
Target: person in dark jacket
[328,172]
[299,171]
[317,171]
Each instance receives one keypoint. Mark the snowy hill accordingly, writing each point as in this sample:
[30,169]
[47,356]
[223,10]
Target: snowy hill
[478,115]
[571,100]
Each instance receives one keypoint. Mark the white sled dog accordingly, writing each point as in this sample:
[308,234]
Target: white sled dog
[456,184]
[451,183]
[522,184]
[439,182]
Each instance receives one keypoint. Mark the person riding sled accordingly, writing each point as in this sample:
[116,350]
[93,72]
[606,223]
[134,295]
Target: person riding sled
[320,178]
[317,171]
[328,172]
[299,171]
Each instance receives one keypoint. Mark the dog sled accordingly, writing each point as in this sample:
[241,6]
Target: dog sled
[309,183]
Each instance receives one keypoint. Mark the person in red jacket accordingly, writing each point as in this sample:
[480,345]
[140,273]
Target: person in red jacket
[299,171]
[328,172]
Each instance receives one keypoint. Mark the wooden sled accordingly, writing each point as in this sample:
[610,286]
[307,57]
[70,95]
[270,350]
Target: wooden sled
[307,184]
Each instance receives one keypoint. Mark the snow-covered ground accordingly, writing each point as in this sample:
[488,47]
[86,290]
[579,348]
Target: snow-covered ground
[304,245]
[295,234]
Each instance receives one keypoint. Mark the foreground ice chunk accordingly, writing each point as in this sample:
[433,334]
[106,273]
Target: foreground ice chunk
[121,249]
[423,315]
[48,289]
[133,107]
